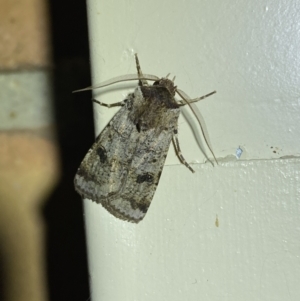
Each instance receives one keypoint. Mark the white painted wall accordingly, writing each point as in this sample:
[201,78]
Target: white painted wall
[249,52]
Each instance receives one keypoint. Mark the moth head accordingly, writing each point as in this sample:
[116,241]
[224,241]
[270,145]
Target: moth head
[167,83]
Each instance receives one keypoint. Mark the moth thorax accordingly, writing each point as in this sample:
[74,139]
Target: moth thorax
[168,84]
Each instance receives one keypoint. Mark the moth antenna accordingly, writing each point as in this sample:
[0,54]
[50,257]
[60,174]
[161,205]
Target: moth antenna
[198,116]
[142,81]
[118,79]
[173,79]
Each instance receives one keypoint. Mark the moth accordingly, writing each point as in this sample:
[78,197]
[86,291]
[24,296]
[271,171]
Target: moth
[122,169]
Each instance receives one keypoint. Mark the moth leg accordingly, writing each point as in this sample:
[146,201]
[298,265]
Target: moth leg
[109,105]
[142,82]
[183,103]
[178,150]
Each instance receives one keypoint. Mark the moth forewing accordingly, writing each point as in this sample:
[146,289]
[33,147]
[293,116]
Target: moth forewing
[122,169]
